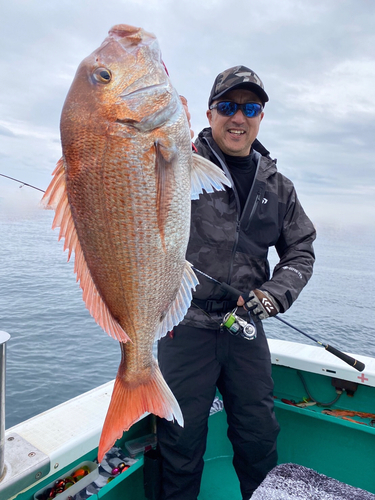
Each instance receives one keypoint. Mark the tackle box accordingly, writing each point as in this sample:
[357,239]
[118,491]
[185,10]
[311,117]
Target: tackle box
[78,486]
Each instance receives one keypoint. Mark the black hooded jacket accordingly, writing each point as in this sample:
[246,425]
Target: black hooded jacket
[234,249]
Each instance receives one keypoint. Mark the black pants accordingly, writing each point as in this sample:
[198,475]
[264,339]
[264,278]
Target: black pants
[194,362]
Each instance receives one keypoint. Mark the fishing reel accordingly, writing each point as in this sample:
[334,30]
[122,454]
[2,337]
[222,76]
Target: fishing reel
[238,326]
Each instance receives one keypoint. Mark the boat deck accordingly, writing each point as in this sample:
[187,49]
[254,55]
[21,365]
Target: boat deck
[68,434]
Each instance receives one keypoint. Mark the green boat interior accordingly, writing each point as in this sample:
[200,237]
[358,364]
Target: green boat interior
[335,436]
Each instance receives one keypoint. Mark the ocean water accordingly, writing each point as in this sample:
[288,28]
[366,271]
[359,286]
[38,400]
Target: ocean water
[57,351]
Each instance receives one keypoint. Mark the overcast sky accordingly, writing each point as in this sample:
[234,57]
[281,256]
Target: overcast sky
[315,57]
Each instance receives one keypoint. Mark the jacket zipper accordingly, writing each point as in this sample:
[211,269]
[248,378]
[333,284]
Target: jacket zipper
[239,219]
[256,201]
[238,229]
[255,206]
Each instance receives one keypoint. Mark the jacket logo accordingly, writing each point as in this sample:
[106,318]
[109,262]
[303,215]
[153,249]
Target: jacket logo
[264,201]
[294,270]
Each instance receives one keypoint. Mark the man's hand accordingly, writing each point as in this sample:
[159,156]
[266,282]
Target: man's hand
[185,105]
[261,304]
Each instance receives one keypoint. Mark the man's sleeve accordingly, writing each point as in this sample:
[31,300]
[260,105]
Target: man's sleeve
[295,249]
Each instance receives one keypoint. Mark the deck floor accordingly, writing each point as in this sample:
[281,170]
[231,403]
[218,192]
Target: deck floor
[228,486]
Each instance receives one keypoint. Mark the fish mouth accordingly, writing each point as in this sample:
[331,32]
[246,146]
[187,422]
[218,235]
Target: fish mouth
[146,94]
[139,90]
[129,122]
[148,102]
[156,118]
[152,121]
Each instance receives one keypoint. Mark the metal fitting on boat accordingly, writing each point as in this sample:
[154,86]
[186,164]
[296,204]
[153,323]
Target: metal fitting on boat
[4,337]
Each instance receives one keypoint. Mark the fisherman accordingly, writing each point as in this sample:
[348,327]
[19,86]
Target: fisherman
[231,233]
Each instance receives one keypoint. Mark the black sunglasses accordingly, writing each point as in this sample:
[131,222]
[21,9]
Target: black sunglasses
[230,108]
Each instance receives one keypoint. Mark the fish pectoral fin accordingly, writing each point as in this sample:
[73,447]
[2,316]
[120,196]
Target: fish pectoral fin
[56,197]
[181,303]
[130,401]
[205,175]
[165,185]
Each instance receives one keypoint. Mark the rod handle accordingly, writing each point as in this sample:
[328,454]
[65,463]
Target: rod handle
[232,292]
[358,365]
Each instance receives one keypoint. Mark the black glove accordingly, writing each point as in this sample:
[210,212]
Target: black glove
[261,304]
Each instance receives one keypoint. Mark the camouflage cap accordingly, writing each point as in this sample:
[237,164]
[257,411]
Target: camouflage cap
[238,77]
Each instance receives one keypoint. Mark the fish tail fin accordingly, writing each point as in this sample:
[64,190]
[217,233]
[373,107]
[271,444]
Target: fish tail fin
[129,403]
[206,175]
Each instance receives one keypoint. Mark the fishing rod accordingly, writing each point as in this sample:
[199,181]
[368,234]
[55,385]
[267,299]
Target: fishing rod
[358,365]
[23,183]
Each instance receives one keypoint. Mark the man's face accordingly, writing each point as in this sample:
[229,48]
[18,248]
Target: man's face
[235,134]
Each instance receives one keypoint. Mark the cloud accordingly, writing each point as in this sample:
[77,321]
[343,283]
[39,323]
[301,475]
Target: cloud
[345,91]
[6,131]
[315,58]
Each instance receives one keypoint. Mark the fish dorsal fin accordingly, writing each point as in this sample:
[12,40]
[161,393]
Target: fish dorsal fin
[181,304]
[206,175]
[56,197]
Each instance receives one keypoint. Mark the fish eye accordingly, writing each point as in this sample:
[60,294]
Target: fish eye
[102,75]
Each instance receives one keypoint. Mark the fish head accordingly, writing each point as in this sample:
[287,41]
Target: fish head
[123,85]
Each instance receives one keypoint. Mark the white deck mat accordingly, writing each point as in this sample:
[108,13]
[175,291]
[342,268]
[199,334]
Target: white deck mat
[294,482]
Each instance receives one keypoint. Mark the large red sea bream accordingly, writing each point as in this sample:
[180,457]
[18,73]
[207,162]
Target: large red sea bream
[121,193]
